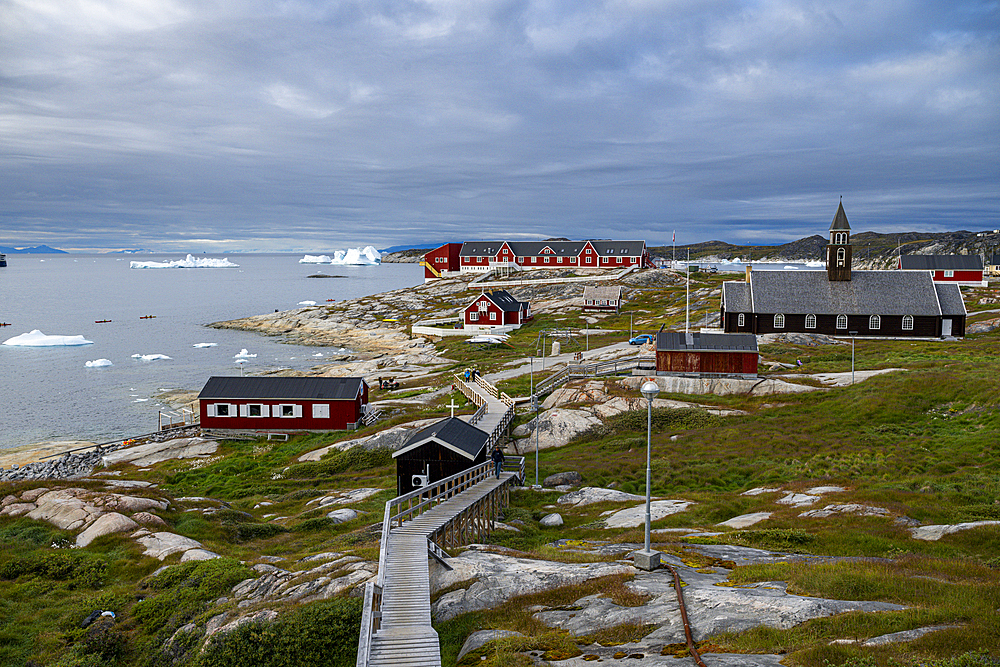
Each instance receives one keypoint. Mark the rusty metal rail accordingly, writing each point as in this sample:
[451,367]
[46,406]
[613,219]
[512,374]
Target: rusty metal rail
[684,617]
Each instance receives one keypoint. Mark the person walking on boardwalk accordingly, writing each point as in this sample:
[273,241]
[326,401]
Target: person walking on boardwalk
[497,457]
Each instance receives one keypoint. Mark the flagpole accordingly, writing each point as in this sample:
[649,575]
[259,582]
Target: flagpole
[687,309]
[673,240]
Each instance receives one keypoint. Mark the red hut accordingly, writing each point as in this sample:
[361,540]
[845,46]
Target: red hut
[283,403]
[958,269]
[496,308]
[706,354]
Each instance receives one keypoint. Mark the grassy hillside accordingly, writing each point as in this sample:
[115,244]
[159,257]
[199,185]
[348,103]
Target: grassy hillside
[922,443]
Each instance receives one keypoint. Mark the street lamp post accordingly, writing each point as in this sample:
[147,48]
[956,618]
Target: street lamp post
[853,334]
[534,402]
[648,559]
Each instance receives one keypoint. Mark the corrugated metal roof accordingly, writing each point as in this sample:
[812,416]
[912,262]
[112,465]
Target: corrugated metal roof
[671,341]
[950,297]
[866,293]
[282,388]
[559,248]
[611,293]
[942,262]
[453,432]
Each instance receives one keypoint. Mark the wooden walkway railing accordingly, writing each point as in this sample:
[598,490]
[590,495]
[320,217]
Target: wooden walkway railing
[396,620]
[596,369]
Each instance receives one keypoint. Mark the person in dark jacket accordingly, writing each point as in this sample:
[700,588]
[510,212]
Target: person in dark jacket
[497,457]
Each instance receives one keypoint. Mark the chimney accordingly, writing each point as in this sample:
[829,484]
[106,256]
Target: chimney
[749,268]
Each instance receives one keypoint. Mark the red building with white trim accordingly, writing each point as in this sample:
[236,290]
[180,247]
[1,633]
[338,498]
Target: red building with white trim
[442,261]
[283,403]
[487,255]
[496,308]
[957,269]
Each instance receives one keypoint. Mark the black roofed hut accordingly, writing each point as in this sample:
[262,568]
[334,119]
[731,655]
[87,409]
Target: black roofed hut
[438,451]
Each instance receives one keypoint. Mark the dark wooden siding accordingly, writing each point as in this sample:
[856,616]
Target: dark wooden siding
[443,463]
[720,363]
[890,325]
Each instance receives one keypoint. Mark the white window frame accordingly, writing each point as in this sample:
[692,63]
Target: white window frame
[841,257]
[588,260]
[321,410]
[474,316]
[779,321]
[546,259]
[619,260]
[493,315]
[572,260]
[907,323]
[874,323]
[296,411]
[841,322]
[740,319]
[263,409]
[231,410]
[949,273]
[810,321]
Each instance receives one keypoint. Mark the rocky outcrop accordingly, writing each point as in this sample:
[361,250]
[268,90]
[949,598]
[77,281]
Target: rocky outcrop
[68,466]
[105,525]
[636,516]
[392,438]
[156,452]
[480,638]
[936,532]
[589,495]
[555,428]
[273,584]
[571,478]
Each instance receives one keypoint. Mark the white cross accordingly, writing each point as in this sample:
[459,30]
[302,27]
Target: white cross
[452,406]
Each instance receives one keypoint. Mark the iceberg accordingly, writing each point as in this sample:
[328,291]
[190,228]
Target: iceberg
[99,363]
[367,256]
[204,345]
[37,339]
[150,357]
[244,354]
[307,303]
[189,262]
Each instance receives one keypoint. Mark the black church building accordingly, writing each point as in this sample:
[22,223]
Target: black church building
[839,301]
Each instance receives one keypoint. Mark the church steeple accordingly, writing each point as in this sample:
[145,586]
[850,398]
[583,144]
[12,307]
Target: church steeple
[838,251]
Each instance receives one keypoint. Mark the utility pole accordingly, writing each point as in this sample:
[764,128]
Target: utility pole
[687,309]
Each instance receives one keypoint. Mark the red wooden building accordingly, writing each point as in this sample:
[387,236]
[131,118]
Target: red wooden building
[283,403]
[958,269]
[442,261]
[496,308]
[606,254]
[706,354]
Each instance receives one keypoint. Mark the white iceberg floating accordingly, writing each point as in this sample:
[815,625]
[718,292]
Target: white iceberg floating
[150,357]
[318,354]
[99,363]
[204,345]
[189,262]
[367,256]
[789,267]
[37,339]
[244,354]
[307,303]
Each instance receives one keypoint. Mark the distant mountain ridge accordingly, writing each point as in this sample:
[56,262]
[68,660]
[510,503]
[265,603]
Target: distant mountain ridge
[872,250]
[34,250]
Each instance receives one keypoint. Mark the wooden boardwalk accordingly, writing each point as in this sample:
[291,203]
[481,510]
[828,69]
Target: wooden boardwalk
[406,638]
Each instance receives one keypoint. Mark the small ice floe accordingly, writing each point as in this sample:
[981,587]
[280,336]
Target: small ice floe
[307,303]
[37,339]
[367,256]
[789,267]
[149,357]
[204,345]
[140,400]
[189,262]
[244,354]
[316,259]
[99,363]
[318,354]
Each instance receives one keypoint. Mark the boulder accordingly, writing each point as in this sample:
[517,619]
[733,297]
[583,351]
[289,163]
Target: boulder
[557,427]
[745,520]
[797,499]
[553,520]
[156,452]
[563,478]
[480,638]
[851,508]
[198,554]
[936,532]
[17,509]
[31,495]
[589,495]
[107,524]
[985,326]
[392,438]
[342,515]
[65,508]
[636,516]
[160,545]
[147,519]
[131,503]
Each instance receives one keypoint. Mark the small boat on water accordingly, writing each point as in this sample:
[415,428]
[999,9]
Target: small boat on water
[6,324]
[101,321]
[3,259]
[147,317]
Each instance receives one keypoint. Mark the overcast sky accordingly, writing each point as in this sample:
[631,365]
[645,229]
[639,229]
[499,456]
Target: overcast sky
[312,126]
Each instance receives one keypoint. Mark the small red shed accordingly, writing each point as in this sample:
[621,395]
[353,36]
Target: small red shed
[283,403]
[496,308]
[706,354]
[441,261]
[958,269]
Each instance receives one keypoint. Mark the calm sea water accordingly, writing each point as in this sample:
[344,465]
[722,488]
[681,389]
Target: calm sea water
[48,393]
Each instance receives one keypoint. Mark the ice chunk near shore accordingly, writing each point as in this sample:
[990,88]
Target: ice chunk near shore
[316,259]
[307,303]
[99,363]
[204,345]
[189,262]
[244,354]
[37,339]
[149,357]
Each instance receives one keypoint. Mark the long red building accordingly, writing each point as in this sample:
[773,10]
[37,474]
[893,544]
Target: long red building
[283,403]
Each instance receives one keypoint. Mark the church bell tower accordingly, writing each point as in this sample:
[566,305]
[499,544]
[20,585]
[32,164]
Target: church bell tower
[838,251]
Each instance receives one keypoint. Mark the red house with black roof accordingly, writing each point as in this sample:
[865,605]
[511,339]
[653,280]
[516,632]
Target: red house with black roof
[958,269]
[496,308]
[283,403]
